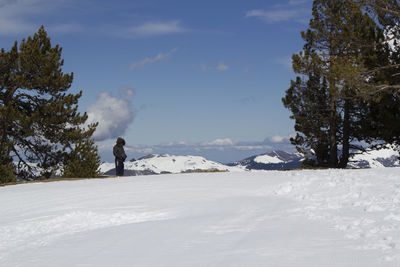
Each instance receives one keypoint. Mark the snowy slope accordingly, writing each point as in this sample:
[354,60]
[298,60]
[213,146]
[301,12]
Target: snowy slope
[387,157]
[280,160]
[265,159]
[156,164]
[274,160]
[106,166]
[294,218]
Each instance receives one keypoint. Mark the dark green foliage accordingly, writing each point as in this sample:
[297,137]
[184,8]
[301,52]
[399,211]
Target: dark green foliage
[83,162]
[39,121]
[383,107]
[308,102]
[7,173]
[328,101]
[386,11]
[383,118]
[308,163]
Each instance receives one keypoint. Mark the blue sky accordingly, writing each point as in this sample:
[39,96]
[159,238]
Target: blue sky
[180,77]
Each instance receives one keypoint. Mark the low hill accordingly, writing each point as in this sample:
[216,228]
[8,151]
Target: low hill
[159,164]
[274,160]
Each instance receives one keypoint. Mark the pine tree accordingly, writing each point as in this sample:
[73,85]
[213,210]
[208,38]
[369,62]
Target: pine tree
[307,99]
[338,43]
[83,161]
[387,11]
[39,120]
[384,74]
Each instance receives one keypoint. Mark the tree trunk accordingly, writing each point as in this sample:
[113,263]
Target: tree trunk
[332,134]
[4,150]
[344,159]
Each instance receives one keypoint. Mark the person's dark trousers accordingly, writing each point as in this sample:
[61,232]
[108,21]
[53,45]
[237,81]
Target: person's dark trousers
[119,168]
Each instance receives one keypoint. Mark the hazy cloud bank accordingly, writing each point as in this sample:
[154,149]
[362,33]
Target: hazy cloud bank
[222,149]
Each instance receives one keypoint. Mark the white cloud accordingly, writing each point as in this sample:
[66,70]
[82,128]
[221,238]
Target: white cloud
[255,13]
[219,142]
[226,143]
[203,67]
[12,17]
[293,10]
[65,28]
[153,29]
[151,60]
[20,16]
[143,150]
[298,2]
[26,16]
[175,144]
[222,66]
[4,3]
[248,148]
[274,15]
[285,61]
[279,138]
[233,150]
[113,114]
[11,26]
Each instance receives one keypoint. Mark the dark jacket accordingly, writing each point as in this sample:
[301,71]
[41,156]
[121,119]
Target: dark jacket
[118,150]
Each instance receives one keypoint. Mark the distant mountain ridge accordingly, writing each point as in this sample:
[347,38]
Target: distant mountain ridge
[274,160]
[281,160]
[164,163]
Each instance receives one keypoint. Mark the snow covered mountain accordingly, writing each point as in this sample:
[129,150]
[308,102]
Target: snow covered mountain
[159,164]
[274,160]
[280,160]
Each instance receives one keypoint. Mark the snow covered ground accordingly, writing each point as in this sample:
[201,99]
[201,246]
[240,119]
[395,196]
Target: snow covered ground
[266,218]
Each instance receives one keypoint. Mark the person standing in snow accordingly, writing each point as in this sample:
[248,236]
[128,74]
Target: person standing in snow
[120,156]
